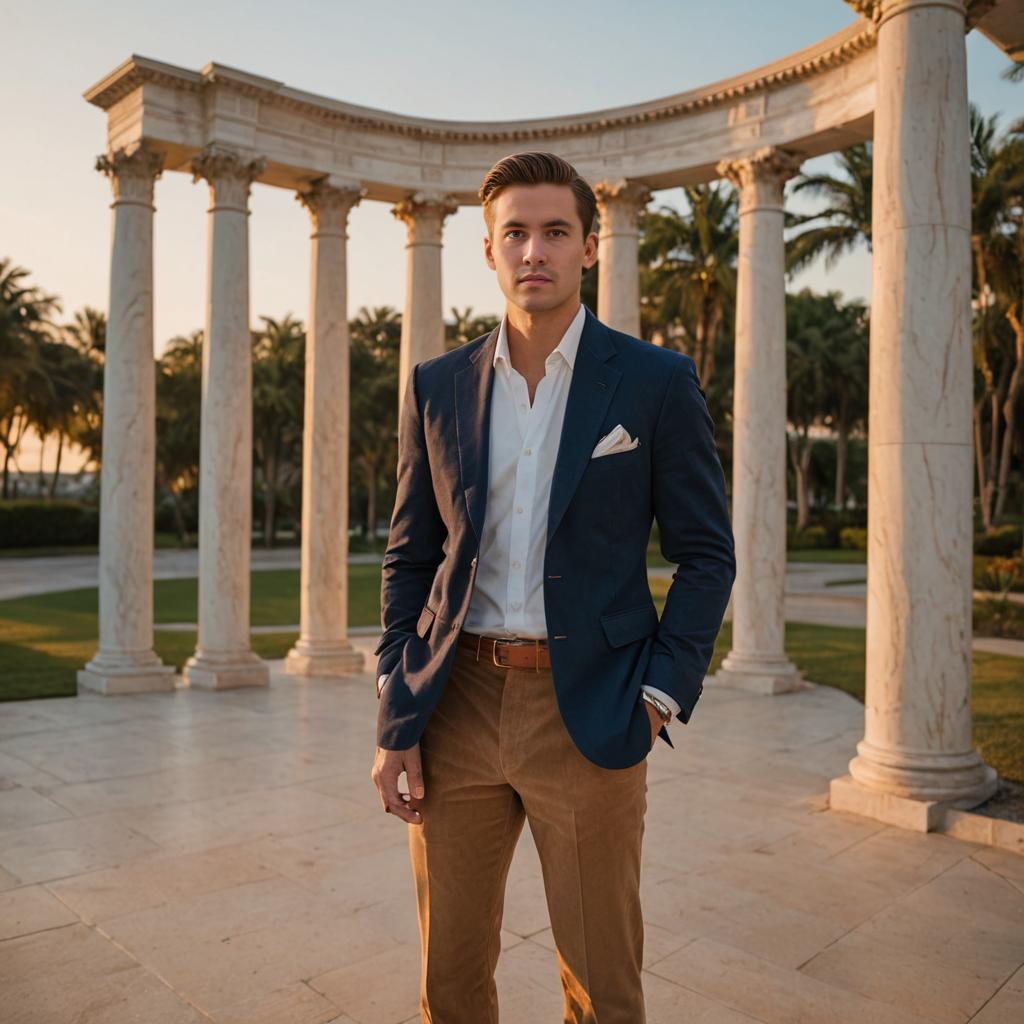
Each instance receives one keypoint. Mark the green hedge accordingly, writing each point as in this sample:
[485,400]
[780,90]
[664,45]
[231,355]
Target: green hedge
[1004,541]
[30,524]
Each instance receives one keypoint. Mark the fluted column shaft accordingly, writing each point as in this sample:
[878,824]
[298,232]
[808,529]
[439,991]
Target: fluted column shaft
[223,656]
[424,215]
[619,204]
[323,648]
[125,661]
[758,659]
[917,738]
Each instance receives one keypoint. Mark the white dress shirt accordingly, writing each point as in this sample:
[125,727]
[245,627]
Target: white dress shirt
[508,592]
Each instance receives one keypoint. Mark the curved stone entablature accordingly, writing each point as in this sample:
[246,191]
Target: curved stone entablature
[814,101]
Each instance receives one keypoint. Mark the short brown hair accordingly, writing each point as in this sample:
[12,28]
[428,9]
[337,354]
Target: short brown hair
[538,169]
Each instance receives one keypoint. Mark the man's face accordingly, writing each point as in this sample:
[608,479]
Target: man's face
[537,246]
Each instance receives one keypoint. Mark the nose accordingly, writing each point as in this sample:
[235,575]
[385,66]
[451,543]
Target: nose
[533,253]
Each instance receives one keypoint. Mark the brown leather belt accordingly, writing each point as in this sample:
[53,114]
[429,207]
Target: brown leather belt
[508,653]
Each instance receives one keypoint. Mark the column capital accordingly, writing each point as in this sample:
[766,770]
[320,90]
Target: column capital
[229,174]
[424,214]
[132,173]
[878,11]
[329,206]
[759,178]
[634,195]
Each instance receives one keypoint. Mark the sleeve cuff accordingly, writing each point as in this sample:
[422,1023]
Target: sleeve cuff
[662,695]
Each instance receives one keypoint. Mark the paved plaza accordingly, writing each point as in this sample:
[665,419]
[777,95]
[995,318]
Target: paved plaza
[196,856]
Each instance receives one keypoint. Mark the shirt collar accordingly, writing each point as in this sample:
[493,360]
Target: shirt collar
[566,347]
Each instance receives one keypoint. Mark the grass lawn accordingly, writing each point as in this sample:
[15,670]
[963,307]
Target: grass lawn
[45,639]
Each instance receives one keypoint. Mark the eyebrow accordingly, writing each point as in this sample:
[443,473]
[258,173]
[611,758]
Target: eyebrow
[557,223]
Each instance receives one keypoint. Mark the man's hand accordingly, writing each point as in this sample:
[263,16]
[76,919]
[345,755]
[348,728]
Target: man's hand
[656,723]
[387,766]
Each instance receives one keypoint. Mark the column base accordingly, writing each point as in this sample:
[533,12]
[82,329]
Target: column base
[960,781]
[764,676]
[113,674]
[206,671]
[324,658]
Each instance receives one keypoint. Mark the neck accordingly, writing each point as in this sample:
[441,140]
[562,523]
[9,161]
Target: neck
[534,336]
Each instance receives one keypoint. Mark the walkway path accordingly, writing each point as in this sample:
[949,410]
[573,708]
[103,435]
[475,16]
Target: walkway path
[222,857]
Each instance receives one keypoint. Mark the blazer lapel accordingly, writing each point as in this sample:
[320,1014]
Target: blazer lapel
[473,386]
[590,393]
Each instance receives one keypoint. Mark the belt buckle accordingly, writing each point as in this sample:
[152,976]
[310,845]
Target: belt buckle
[494,654]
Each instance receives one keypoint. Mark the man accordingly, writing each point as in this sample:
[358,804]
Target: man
[524,673]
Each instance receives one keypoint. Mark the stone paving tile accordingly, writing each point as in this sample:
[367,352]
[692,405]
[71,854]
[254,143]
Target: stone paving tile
[296,1003]
[73,846]
[75,974]
[1006,1006]
[382,989]
[967,916]
[159,880]
[22,807]
[936,989]
[29,909]
[767,992]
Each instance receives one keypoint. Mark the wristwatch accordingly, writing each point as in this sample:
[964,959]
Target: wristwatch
[659,705]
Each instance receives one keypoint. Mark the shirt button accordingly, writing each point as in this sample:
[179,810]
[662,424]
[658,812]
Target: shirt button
[515,604]
[519,508]
[515,565]
[529,451]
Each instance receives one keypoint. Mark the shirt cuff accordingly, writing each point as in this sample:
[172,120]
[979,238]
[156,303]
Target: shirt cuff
[381,680]
[661,695]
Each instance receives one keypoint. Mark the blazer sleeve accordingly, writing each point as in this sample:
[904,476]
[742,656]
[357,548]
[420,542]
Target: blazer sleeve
[415,539]
[692,512]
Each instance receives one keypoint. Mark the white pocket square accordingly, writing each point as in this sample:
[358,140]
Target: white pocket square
[616,440]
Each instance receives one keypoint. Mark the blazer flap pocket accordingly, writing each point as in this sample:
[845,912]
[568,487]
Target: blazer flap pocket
[424,622]
[630,624]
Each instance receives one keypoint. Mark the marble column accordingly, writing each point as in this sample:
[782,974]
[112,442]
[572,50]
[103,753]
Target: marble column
[424,215]
[916,749]
[125,661]
[223,656]
[619,204]
[323,648]
[757,660]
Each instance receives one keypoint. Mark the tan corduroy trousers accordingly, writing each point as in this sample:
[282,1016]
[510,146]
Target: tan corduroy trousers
[495,753]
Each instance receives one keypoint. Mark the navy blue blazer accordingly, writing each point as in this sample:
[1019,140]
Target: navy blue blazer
[604,634]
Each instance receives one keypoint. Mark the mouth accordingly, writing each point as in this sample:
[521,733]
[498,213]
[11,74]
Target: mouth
[535,279]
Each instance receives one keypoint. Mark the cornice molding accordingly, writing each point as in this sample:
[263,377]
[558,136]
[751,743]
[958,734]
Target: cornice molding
[835,50]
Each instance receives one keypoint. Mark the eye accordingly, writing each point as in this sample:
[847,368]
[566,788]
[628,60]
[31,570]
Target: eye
[557,231]
[514,231]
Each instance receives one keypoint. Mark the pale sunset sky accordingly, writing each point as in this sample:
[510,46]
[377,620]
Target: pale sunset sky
[456,60]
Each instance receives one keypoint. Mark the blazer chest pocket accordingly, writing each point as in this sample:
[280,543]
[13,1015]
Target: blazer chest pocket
[425,621]
[629,624]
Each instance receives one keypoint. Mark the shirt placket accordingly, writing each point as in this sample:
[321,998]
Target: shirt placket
[529,419]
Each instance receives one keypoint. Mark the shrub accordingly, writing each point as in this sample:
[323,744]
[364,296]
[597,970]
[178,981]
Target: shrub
[812,537]
[854,538]
[31,524]
[1004,540]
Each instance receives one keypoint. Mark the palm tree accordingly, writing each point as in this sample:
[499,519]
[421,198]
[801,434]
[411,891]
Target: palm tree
[465,326]
[26,323]
[376,343]
[278,390]
[997,183]
[687,269]
[88,332]
[846,214]
[179,373]
[813,322]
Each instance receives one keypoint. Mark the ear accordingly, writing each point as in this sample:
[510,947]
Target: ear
[489,252]
[590,247]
